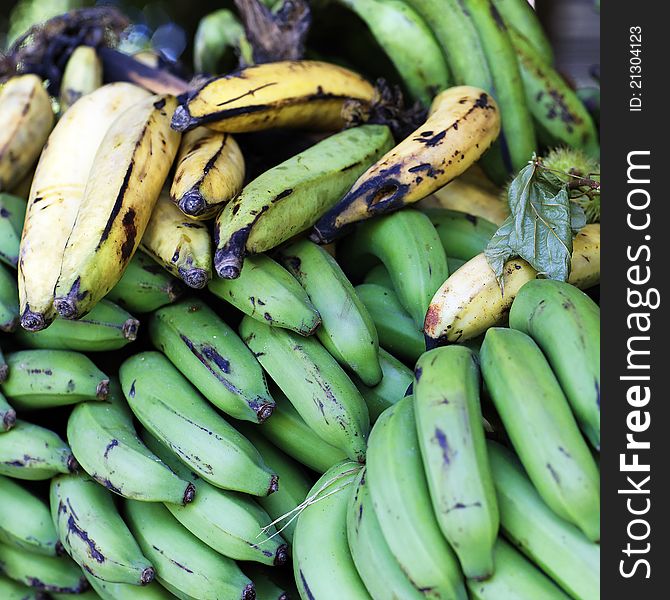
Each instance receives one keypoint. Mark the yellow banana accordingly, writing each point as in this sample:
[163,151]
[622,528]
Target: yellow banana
[26,118]
[463,122]
[209,173]
[56,193]
[182,246]
[126,178]
[470,300]
[83,74]
[305,94]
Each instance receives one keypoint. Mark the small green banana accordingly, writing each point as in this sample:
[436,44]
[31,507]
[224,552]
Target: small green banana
[126,591]
[266,588]
[213,358]
[520,15]
[47,378]
[379,276]
[218,40]
[463,236]
[7,415]
[12,214]
[9,301]
[13,590]
[266,291]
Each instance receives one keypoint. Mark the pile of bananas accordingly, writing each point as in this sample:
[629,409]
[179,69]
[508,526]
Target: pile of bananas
[227,382]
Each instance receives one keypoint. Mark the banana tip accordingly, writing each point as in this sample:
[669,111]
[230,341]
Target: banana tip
[72,464]
[265,412]
[147,576]
[130,328]
[281,556]
[181,119]
[249,592]
[192,203]
[194,278]
[4,372]
[32,321]
[274,484]
[228,271]
[8,420]
[189,493]
[65,308]
[102,390]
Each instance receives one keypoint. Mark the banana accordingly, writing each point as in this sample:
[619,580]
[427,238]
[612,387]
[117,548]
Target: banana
[537,418]
[82,75]
[470,300]
[32,452]
[145,286]
[213,358]
[26,118]
[289,198]
[454,264]
[47,378]
[56,194]
[4,369]
[463,122]
[26,523]
[395,381]
[179,244]
[555,545]
[9,301]
[266,588]
[106,327]
[12,214]
[220,37]
[565,323]
[347,330]
[520,16]
[106,445]
[45,573]
[561,117]
[184,565]
[403,507]
[171,409]
[7,415]
[322,564]
[12,590]
[374,561]
[125,591]
[378,275]
[299,94]
[514,579]
[315,384]
[396,330]
[463,235]
[94,534]
[127,174]
[209,173]
[233,524]
[266,291]
[451,439]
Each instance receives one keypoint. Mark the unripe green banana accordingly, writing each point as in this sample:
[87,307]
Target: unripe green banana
[12,590]
[451,438]
[126,591]
[106,327]
[555,545]
[266,588]
[463,236]
[266,291]
[403,507]
[379,276]
[520,15]
[47,378]
[87,595]
[173,411]
[218,39]
[104,440]
[322,564]
[145,286]
[565,323]
[184,565]
[82,75]
[26,522]
[7,415]
[9,301]
[315,384]
[396,329]
[32,452]
[347,330]
[12,214]
[538,420]
[213,358]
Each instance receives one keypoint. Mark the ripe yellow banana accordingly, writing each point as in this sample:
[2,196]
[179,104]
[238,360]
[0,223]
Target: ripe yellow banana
[463,122]
[26,118]
[209,173]
[305,94]
[126,178]
[470,300]
[83,74]
[57,191]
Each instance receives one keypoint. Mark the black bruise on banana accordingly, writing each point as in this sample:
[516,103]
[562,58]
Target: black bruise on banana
[74,529]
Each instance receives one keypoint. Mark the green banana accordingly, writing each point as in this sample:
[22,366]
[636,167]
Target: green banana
[7,415]
[553,544]
[290,198]
[520,16]
[213,358]
[514,579]
[543,431]
[32,452]
[26,523]
[106,327]
[145,286]
[347,330]
[173,411]
[9,301]
[455,263]
[322,564]
[126,591]
[282,301]
[314,382]
[87,595]
[395,381]
[463,236]
[106,445]
[12,214]
[378,568]
[396,329]
[47,378]
[45,573]
[218,39]
[451,438]
[184,565]
[565,323]
[379,276]
[12,590]
[4,369]
[403,507]
[266,588]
